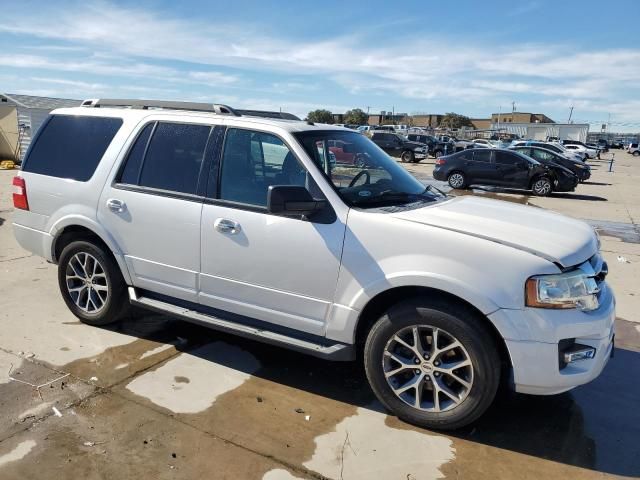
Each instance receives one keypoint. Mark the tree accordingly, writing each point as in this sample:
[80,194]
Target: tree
[356,117]
[454,120]
[320,116]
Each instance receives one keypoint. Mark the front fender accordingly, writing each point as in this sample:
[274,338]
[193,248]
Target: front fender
[451,285]
[343,319]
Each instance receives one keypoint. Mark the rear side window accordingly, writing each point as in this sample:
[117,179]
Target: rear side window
[174,157]
[504,158]
[482,155]
[71,146]
[132,166]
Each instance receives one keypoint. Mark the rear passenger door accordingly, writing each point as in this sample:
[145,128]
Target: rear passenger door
[154,203]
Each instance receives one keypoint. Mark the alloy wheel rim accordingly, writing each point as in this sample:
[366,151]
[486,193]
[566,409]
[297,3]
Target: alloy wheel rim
[427,368]
[456,180]
[542,187]
[87,283]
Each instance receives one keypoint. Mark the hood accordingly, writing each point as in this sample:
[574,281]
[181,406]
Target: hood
[559,239]
[411,143]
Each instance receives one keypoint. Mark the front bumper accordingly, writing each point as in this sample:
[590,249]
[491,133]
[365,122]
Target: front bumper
[532,335]
[566,184]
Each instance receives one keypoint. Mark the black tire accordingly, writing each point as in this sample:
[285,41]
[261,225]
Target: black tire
[454,182]
[542,186]
[407,157]
[115,304]
[360,162]
[437,154]
[636,153]
[462,323]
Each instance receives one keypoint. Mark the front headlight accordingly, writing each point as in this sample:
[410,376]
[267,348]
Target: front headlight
[573,289]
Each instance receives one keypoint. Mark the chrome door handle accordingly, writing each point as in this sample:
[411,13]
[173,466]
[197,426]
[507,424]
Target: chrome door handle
[116,205]
[226,226]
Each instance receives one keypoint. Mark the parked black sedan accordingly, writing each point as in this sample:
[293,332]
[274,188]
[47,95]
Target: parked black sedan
[503,168]
[547,157]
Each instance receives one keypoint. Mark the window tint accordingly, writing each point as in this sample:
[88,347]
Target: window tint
[174,157]
[71,146]
[134,159]
[253,161]
[483,155]
[540,155]
[504,158]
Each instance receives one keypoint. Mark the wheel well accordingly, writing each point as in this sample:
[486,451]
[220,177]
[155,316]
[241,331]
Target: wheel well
[538,176]
[385,300]
[71,234]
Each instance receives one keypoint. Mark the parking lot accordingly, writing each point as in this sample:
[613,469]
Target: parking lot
[154,397]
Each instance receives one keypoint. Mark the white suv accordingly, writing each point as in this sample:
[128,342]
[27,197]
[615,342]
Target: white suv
[242,223]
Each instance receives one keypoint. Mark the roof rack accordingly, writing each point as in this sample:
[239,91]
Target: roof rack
[216,108]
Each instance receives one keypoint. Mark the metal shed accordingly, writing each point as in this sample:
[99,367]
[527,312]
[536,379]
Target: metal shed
[31,113]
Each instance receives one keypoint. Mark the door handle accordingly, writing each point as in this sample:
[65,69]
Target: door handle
[116,205]
[227,226]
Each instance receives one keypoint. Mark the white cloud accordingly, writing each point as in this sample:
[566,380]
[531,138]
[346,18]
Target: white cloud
[432,69]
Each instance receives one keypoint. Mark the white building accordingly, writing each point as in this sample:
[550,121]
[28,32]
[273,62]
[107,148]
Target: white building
[541,131]
[30,112]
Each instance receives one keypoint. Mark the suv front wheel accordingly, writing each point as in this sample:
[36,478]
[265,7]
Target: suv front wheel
[432,363]
[91,283]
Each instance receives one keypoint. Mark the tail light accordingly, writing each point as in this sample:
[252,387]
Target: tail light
[440,161]
[20,194]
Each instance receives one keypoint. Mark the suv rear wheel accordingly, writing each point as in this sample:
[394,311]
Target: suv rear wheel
[91,283]
[432,363]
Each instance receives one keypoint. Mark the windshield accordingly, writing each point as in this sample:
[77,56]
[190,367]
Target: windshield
[362,174]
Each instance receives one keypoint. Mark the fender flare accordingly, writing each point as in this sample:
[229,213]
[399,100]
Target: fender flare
[435,281]
[58,227]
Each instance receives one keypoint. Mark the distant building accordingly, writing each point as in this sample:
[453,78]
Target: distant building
[543,131]
[520,117]
[481,123]
[431,120]
[18,128]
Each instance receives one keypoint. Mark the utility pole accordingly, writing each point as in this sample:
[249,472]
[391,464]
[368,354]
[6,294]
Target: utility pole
[570,114]
[513,107]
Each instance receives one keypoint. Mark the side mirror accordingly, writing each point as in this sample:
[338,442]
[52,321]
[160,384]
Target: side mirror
[292,201]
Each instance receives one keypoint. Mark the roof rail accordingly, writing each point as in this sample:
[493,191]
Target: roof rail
[147,104]
[193,106]
[268,114]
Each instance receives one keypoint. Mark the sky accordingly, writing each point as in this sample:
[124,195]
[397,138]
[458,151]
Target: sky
[469,57]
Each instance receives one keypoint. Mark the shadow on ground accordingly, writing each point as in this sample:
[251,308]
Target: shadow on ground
[578,196]
[594,426]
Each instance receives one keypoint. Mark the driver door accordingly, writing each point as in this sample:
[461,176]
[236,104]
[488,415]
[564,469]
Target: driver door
[276,269]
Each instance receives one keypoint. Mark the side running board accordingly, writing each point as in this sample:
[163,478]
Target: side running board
[329,351]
